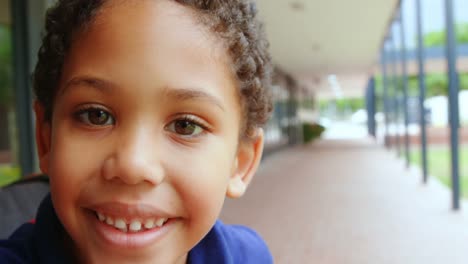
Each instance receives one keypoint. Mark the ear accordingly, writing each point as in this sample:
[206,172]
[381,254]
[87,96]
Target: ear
[43,133]
[249,155]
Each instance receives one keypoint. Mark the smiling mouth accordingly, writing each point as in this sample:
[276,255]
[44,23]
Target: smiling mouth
[133,225]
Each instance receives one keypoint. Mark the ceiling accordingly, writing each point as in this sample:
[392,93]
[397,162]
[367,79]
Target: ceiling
[313,39]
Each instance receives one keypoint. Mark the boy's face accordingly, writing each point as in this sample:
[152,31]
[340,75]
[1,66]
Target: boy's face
[144,135]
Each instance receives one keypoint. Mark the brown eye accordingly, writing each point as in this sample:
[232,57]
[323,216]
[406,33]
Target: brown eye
[185,127]
[95,117]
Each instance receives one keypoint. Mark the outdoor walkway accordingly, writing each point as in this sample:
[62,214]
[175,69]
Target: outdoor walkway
[350,202]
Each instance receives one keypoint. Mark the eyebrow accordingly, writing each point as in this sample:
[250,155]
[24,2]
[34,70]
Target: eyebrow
[177,94]
[99,84]
[192,94]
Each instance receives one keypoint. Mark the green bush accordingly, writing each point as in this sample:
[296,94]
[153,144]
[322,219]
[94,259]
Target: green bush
[312,131]
[8,174]
[6,82]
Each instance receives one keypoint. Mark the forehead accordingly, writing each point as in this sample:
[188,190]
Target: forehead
[148,43]
[157,26]
[150,22]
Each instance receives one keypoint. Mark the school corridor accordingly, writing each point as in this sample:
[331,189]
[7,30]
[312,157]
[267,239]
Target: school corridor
[350,202]
[398,67]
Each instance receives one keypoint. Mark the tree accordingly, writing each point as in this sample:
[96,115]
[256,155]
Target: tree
[437,38]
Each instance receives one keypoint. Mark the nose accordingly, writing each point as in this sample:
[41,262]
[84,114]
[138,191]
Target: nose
[134,159]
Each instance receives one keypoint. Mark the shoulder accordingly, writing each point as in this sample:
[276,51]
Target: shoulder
[41,242]
[244,242]
[17,248]
[10,257]
[232,244]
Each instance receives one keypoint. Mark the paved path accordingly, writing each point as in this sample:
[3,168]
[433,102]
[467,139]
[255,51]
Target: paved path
[350,202]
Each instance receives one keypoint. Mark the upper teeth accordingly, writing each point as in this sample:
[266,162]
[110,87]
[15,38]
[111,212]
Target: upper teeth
[134,225]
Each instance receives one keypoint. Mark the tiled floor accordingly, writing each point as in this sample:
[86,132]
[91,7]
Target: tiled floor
[350,202]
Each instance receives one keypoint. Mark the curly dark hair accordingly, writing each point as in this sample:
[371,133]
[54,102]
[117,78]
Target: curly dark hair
[233,21]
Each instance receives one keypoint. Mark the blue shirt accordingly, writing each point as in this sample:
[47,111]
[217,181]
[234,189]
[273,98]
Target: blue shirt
[43,242]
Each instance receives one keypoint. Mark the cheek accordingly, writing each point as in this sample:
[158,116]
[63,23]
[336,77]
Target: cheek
[72,160]
[202,179]
[73,169]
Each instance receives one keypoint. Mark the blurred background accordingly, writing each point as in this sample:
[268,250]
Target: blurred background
[366,156]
